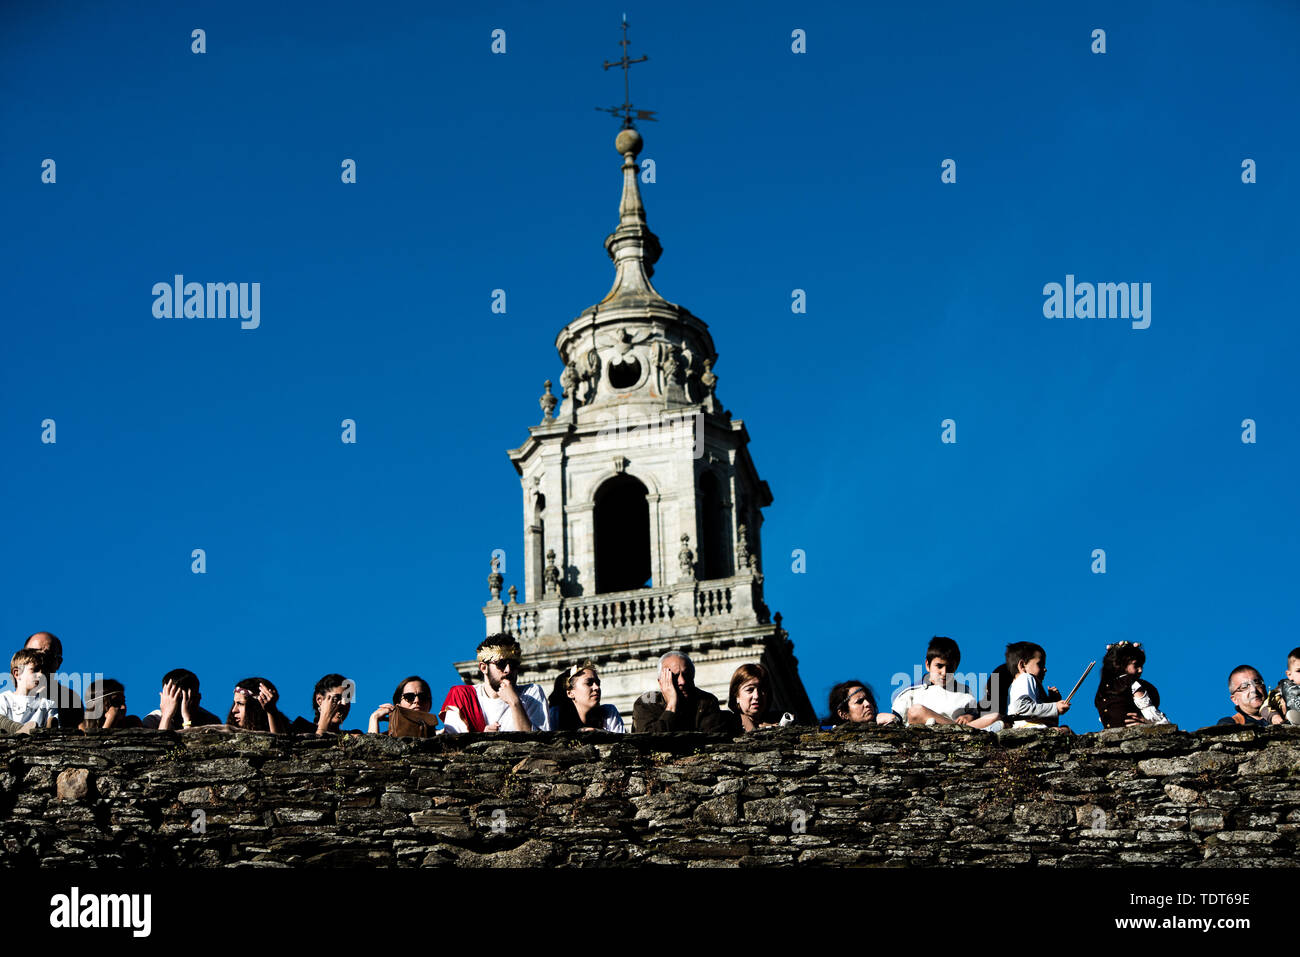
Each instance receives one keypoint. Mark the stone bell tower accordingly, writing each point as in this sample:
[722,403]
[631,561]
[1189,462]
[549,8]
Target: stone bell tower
[642,507]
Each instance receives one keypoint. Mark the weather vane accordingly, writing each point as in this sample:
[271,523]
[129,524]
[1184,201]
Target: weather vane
[626,111]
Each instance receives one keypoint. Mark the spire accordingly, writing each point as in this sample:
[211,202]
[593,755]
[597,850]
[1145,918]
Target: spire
[632,246]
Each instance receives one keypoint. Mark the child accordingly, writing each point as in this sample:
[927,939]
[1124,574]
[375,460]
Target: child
[938,699]
[1027,702]
[1121,686]
[27,702]
[106,707]
[1285,698]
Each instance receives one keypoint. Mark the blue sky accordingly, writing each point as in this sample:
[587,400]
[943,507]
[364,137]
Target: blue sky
[774,171]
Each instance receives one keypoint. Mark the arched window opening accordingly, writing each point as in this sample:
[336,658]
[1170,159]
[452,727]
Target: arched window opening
[622,522]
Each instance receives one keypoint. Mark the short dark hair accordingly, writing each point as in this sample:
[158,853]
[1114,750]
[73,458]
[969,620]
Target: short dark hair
[1239,670]
[945,648]
[183,678]
[743,674]
[839,698]
[1025,651]
[1293,653]
[495,641]
[397,692]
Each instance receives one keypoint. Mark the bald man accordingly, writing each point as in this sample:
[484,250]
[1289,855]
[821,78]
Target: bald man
[1246,690]
[71,710]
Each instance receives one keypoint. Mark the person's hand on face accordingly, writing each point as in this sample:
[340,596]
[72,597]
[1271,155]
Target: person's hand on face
[114,710]
[170,699]
[508,672]
[267,697]
[189,704]
[330,706]
[674,684]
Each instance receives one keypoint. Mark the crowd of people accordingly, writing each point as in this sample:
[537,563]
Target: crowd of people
[1015,695]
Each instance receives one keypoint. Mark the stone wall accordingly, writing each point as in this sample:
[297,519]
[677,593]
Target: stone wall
[857,796]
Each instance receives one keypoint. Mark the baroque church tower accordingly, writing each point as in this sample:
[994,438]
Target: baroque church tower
[642,507]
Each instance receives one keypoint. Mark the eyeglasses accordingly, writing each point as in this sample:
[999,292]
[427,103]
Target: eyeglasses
[410,697]
[1247,685]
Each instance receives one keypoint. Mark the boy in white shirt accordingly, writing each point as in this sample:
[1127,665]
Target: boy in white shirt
[1027,703]
[938,699]
[27,702]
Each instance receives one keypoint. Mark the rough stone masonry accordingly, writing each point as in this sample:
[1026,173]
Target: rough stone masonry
[855,796]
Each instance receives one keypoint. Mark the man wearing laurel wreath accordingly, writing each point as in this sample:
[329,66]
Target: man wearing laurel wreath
[499,703]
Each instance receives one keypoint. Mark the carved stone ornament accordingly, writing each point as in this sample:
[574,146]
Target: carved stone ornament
[494,581]
[551,576]
[568,379]
[686,558]
[620,464]
[548,402]
[743,558]
[707,378]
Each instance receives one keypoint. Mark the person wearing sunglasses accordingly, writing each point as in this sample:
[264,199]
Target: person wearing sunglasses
[254,707]
[106,707]
[1247,691]
[501,702]
[412,693]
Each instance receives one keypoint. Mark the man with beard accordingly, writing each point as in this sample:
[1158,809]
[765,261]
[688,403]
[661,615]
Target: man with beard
[1246,690]
[500,703]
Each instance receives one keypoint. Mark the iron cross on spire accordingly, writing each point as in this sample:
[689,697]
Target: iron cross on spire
[626,109]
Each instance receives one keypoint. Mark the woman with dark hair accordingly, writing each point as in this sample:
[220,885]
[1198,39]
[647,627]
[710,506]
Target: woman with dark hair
[748,697]
[1123,698]
[331,702]
[853,702]
[575,702]
[106,700]
[254,708]
[413,694]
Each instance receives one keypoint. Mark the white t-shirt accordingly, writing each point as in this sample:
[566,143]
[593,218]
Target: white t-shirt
[495,711]
[610,719]
[24,708]
[950,704]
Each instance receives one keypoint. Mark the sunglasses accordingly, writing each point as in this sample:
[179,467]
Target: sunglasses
[411,697]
